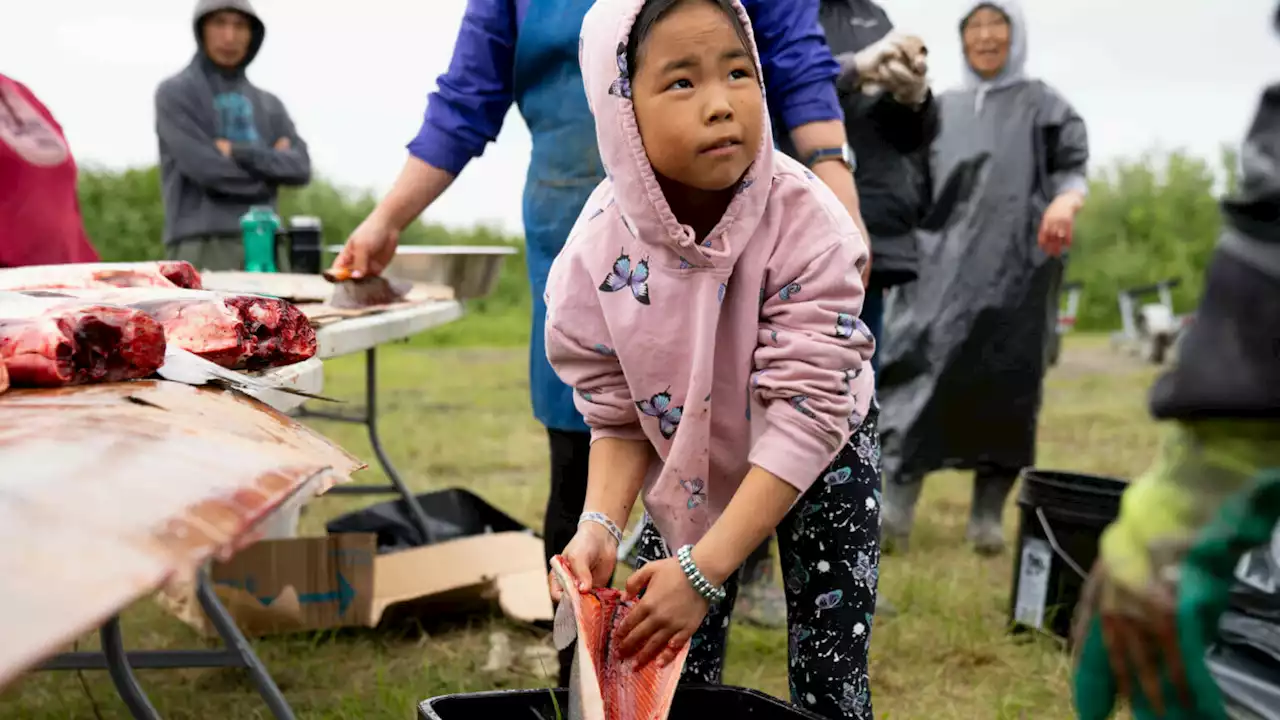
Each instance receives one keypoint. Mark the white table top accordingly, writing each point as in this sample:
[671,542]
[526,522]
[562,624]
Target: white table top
[353,335]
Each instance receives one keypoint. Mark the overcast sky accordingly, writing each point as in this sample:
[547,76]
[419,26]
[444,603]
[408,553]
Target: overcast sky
[355,76]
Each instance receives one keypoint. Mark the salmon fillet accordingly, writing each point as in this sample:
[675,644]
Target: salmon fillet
[603,685]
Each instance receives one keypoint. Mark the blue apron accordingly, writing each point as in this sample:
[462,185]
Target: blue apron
[565,168]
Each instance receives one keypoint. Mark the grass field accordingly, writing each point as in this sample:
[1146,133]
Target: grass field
[461,418]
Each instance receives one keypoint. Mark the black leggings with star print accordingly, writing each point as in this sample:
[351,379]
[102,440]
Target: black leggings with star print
[830,550]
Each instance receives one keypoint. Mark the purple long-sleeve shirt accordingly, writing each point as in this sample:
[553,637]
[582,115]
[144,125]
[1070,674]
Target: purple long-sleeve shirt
[475,93]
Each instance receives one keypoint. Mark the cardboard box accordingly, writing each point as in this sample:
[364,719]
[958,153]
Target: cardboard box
[339,580]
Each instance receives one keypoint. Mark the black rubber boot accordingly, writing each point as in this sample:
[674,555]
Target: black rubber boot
[991,488]
[897,512]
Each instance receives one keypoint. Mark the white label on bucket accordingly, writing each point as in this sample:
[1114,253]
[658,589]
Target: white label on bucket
[1033,583]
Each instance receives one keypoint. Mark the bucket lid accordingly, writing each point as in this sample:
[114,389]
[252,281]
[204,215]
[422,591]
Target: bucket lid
[304,221]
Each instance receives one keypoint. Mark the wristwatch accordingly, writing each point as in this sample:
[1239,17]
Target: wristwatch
[843,153]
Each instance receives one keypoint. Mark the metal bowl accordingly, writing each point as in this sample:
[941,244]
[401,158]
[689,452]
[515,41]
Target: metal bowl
[471,270]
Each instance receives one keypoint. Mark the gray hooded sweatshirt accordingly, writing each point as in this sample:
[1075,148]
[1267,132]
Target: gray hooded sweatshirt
[205,192]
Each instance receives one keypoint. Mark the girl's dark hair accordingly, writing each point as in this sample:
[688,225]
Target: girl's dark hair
[655,10]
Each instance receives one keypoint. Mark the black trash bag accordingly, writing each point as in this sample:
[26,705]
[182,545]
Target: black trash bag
[1245,660]
[451,514]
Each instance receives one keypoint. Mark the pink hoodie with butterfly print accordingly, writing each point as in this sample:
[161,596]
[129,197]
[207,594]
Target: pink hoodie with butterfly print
[742,350]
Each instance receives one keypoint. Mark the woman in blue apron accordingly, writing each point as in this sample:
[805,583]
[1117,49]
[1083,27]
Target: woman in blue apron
[526,51]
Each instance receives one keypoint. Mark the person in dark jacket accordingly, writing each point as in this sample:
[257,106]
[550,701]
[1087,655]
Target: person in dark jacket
[1222,405]
[225,144]
[888,130]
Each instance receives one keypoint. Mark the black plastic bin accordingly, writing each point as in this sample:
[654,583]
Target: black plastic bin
[451,514]
[1069,510]
[693,702]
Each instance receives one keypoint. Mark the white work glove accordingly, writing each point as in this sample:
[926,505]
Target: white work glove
[908,85]
[864,64]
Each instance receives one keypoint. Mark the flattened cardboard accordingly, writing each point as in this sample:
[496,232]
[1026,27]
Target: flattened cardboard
[319,583]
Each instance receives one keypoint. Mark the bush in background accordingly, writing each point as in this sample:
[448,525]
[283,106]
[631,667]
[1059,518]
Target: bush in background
[1146,220]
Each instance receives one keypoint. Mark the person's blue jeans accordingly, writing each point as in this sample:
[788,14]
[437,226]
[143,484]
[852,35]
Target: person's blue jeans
[873,316]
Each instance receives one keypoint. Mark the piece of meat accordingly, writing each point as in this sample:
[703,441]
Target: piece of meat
[235,331]
[604,686]
[51,342]
[160,273]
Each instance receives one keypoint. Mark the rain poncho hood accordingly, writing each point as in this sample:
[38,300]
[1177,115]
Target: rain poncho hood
[205,8]
[640,199]
[741,349]
[1016,65]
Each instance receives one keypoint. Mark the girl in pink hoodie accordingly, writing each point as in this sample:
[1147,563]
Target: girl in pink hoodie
[705,308]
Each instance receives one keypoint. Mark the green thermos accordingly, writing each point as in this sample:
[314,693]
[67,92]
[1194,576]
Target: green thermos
[259,227]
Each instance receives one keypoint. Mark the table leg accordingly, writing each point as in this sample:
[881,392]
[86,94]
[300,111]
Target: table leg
[126,683]
[236,642]
[370,420]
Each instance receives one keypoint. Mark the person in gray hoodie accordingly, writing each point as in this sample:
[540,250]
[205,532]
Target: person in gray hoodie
[225,145]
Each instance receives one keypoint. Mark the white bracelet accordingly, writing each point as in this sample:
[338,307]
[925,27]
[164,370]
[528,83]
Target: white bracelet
[602,519]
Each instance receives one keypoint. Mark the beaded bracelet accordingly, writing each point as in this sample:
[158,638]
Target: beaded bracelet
[709,592]
[602,519]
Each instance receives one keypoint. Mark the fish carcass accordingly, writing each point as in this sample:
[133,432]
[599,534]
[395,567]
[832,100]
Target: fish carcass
[52,342]
[159,273]
[603,685]
[234,330]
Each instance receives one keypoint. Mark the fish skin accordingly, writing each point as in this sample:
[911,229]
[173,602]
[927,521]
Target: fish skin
[609,688]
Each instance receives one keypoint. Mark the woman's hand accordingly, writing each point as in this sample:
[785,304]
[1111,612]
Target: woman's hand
[370,248]
[591,555]
[1058,223]
[665,618]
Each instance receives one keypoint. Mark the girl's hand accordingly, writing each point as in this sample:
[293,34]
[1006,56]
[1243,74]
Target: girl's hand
[1058,223]
[665,618]
[591,554]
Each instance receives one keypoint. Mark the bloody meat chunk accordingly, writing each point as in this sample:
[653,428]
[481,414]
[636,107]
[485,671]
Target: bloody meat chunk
[51,342]
[235,331]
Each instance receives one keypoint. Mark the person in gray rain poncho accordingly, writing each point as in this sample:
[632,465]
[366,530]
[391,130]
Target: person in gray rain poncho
[960,381]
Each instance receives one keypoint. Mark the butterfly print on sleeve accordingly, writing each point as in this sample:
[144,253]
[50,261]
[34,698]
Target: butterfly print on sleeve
[697,491]
[790,291]
[659,406]
[622,86]
[798,402]
[605,350]
[720,292]
[844,325]
[624,276]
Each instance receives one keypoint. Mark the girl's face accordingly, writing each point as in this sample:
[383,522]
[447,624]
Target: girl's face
[697,98]
[986,41]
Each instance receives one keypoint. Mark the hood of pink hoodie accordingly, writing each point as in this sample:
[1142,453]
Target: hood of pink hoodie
[602,53]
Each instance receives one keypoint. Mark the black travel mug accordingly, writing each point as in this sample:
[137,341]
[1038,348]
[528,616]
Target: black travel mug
[304,244]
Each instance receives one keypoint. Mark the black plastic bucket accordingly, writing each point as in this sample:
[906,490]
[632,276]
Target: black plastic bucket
[693,702]
[1062,515]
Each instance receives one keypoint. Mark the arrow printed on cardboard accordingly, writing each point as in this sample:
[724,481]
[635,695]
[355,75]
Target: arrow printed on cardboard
[343,596]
